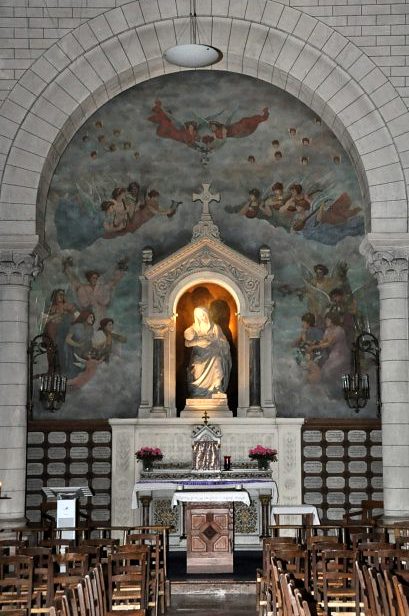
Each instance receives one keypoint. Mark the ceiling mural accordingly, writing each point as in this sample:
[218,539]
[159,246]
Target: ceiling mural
[125,182]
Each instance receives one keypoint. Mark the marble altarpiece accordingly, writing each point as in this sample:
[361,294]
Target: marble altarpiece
[206,260]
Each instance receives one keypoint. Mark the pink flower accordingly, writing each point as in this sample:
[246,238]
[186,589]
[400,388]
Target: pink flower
[149,453]
[263,452]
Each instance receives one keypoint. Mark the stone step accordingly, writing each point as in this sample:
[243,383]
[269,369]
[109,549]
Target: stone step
[213,587]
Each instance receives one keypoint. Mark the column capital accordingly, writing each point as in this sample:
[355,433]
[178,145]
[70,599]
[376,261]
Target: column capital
[18,267]
[387,257]
[253,325]
[160,327]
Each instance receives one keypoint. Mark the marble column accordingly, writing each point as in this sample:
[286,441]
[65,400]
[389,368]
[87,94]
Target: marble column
[390,267]
[16,272]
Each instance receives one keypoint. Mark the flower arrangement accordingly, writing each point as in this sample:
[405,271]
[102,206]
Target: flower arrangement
[149,453]
[263,453]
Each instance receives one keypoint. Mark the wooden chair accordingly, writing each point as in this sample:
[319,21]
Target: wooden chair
[128,579]
[67,571]
[42,573]
[10,547]
[16,583]
[157,573]
[57,545]
[402,596]
[315,547]
[262,575]
[370,512]
[339,588]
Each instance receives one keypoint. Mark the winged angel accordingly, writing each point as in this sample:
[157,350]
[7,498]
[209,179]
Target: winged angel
[203,134]
[329,291]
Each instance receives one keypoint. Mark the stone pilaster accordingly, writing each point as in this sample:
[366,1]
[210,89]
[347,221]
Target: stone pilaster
[390,267]
[16,272]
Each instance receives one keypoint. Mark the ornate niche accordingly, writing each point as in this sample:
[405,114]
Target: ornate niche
[206,260]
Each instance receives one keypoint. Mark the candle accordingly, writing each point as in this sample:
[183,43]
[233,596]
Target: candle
[0,488]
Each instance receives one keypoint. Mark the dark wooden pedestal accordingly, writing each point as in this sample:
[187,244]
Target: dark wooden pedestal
[209,529]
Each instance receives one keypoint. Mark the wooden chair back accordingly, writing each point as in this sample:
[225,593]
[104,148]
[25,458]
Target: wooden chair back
[128,572]
[16,582]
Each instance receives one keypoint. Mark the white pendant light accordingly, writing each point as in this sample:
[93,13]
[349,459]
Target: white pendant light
[194,54]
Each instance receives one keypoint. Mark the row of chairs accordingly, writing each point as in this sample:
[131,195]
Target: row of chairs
[37,575]
[383,592]
[326,569]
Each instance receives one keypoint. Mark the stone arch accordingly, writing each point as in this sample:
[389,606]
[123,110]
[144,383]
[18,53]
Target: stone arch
[272,42]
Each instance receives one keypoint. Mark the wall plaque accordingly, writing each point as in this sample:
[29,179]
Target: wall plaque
[356,498]
[357,451]
[57,438]
[78,468]
[312,467]
[102,436]
[100,515]
[357,436]
[34,500]
[358,483]
[101,483]
[56,453]
[312,451]
[35,453]
[312,436]
[101,452]
[35,468]
[78,453]
[313,498]
[56,468]
[377,483]
[335,514]
[336,498]
[101,468]
[101,499]
[334,436]
[313,483]
[357,467]
[376,467]
[335,451]
[35,438]
[335,467]
[34,484]
[335,483]
[376,451]
[376,436]
[79,438]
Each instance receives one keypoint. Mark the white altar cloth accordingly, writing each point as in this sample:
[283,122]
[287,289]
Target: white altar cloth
[174,485]
[211,496]
[295,510]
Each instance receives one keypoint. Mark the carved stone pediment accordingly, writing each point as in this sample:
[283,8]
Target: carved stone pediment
[206,255]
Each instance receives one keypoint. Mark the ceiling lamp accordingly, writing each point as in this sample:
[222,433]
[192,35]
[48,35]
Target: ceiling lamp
[194,54]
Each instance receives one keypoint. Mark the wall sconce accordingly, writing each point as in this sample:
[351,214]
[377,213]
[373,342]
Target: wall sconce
[356,386]
[52,385]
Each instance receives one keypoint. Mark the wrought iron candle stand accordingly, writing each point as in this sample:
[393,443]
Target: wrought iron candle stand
[356,386]
[52,384]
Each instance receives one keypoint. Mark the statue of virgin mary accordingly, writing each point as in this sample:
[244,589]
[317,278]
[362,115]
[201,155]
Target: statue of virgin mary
[210,362]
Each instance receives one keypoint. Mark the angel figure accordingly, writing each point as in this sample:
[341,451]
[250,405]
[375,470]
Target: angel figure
[320,283]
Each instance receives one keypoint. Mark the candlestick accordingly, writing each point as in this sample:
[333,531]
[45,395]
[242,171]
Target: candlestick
[0,488]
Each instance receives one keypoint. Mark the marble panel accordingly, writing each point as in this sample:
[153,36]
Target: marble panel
[79,468]
[356,498]
[376,467]
[313,498]
[33,516]
[35,469]
[101,468]
[101,483]
[358,483]
[312,436]
[376,451]
[335,483]
[56,468]
[312,451]
[34,484]
[57,453]
[35,453]
[335,467]
[376,436]
[33,500]
[79,438]
[358,467]
[78,453]
[101,499]
[335,513]
[100,515]
[336,498]
[101,452]
[357,451]
[377,483]
[57,438]
[334,436]
[313,483]
[102,436]
[312,467]
[35,438]
[357,436]
[335,451]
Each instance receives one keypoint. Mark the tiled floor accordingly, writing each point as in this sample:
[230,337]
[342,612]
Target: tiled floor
[213,605]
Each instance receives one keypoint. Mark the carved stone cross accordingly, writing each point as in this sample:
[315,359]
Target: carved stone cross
[206,197]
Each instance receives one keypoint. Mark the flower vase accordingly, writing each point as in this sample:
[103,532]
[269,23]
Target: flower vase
[147,464]
[263,464]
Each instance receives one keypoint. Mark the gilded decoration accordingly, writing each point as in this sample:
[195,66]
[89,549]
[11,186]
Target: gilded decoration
[245,518]
[164,515]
